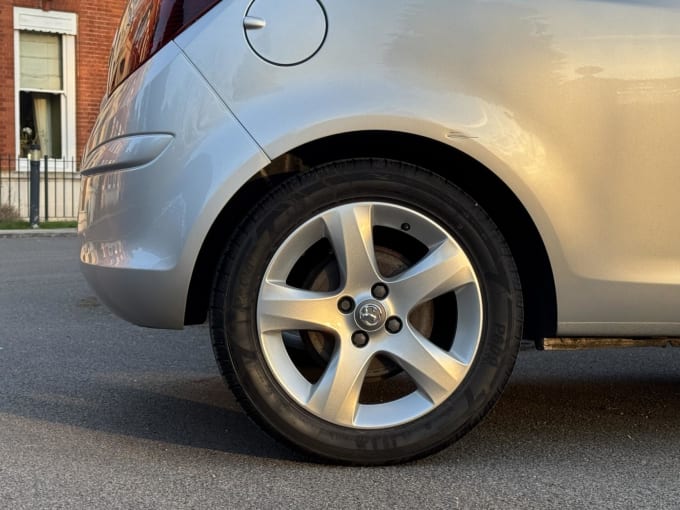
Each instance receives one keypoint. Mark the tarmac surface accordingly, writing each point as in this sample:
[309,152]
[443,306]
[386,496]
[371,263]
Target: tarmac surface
[97,413]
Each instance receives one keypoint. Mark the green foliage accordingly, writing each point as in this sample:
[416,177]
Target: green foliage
[59,224]
[21,224]
[9,213]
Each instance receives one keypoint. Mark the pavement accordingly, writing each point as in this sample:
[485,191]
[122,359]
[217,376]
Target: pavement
[98,413]
[39,232]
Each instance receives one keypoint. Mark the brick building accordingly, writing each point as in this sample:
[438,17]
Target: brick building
[53,69]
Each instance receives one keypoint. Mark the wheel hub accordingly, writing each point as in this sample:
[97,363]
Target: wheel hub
[370,315]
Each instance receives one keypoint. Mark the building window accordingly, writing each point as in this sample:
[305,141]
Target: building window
[41,92]
[45,81]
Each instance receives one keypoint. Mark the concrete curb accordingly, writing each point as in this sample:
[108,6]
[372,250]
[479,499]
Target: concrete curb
[48,232]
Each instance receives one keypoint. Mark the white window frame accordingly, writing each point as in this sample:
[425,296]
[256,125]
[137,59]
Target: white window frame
[66,25]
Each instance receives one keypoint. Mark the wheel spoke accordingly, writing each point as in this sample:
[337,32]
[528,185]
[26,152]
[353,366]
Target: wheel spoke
[436,372]
[335,396]
[282,308]
[445,268]
[350,231]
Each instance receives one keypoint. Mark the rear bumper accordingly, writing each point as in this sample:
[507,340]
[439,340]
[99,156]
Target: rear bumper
[163,159]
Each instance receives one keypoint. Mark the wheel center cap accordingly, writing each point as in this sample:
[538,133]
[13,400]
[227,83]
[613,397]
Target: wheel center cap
[370,315]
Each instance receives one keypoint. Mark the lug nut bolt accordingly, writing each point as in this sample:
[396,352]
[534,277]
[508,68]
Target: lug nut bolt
[360,339]
[380,291]
[346,305]
[393,325]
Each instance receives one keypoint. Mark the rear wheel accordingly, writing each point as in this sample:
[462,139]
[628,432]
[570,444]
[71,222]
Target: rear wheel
[367,312]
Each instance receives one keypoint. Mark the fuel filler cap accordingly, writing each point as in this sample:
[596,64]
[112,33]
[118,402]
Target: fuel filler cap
[285,32]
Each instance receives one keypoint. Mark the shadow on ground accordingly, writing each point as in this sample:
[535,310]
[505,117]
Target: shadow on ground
[198,413]
[540,407]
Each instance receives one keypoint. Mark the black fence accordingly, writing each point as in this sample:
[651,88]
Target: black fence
[59,187]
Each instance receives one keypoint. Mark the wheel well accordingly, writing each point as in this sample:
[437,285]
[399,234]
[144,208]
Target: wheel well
[478,181]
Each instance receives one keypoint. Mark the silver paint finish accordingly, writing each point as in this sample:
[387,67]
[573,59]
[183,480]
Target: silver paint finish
[436,372]
[294,30]
[155,177]
[574,105]
[126,152]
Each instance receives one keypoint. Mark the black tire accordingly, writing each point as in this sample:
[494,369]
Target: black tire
[245,359]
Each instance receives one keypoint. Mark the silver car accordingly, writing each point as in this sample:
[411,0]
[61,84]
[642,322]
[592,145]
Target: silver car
[374,202]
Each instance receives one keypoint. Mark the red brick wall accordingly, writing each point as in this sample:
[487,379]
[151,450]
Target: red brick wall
[7,137]
[97,23]
[96,28]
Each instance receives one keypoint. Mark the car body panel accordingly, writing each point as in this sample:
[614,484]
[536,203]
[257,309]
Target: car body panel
[571,104]
[286,33]
[155,175]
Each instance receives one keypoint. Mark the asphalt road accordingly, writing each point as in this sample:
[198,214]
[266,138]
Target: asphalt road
[96,413]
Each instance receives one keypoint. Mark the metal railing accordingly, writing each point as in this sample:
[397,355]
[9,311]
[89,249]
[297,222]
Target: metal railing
[59,187]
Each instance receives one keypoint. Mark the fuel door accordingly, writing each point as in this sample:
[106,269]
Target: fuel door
[285,32]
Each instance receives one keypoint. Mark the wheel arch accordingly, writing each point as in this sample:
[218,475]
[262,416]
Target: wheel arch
[495,197]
